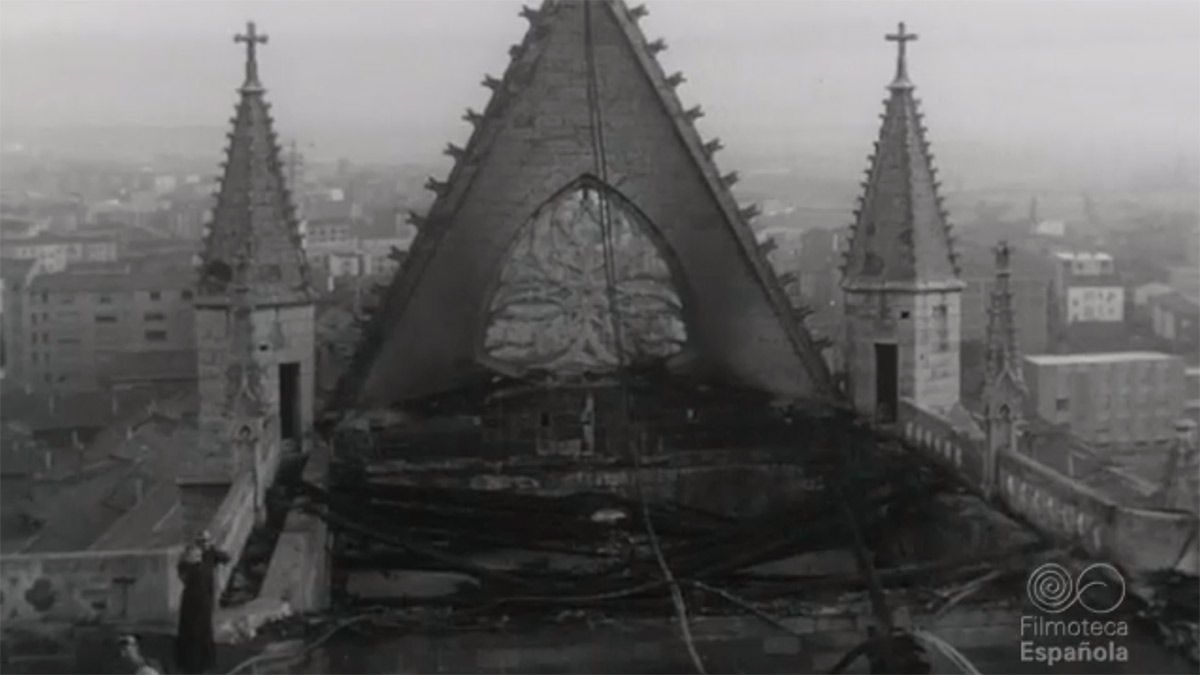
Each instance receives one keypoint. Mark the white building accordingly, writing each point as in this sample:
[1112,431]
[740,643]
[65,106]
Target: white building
[1088,288]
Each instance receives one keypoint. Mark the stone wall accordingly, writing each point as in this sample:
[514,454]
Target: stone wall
[281,335]
[110,587]
[959,449]
[1147,538]
[730,483]
[1055,503]
[300,565]
[115,587]
[924,326]
[1067,509]
[232,523]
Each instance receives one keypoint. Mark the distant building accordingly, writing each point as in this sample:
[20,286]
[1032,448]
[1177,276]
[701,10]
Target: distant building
[1191,393]
[15,277]
[818,266]
[1050,228]
[82,327]
[1175,319]
[1089,302]
[50,257]
[320,231]
[55,252]
[1143,293]
[1108,398]
[1185,279]
[357,257]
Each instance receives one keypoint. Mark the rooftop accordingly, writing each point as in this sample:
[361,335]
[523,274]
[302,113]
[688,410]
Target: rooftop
[1101,357]
[113,281]
[1177,303]
[1082,255]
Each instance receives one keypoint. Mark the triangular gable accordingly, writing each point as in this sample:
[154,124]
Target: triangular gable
[534,139]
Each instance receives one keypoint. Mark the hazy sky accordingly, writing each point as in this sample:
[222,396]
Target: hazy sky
[395,76]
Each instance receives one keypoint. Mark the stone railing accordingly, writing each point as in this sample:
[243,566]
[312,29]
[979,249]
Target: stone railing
[110,587]
[1056,503]
[942,440]
[115,587]
[1137,539]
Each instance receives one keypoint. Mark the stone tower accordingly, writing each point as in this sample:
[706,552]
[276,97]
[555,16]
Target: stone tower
[900,276]
[1004,390]
[254,312]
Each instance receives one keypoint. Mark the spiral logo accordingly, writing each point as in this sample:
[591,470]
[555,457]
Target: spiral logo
[1100,588]
[1051,588]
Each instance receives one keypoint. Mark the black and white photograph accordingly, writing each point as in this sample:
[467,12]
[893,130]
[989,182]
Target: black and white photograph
[593,336]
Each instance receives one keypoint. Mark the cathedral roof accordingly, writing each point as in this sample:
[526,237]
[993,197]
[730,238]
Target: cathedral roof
[901,237]
[583,102]
[252,247]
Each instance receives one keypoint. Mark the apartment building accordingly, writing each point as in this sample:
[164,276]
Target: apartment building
[1115,398]
[82,328]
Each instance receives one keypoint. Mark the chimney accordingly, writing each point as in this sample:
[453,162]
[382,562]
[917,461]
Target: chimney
[139,487]
[48,459]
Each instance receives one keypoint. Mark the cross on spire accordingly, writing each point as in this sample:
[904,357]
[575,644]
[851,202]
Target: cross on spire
[901,37]
[252,40]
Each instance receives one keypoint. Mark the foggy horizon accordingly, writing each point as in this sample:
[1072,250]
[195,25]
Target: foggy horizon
[1048,85]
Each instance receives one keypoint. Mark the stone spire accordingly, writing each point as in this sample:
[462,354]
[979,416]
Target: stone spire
[901,237]
[1003,356]
[1004,392]
[252,246]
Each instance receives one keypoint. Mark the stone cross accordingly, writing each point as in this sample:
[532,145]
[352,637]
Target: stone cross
[252,40]
[901,38]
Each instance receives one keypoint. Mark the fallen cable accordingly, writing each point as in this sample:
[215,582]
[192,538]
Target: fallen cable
[948,650]
[746,605]
[676,596]
[289,659]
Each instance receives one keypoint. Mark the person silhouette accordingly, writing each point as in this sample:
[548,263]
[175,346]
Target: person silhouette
[195,648]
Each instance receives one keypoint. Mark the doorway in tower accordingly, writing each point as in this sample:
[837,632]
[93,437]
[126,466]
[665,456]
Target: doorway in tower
[289,402]
[887,388]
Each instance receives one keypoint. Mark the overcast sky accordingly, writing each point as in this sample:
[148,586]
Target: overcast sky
[395,76]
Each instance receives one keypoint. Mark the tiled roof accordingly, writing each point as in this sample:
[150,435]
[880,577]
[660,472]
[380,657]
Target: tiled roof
[80,508]
[101,282]
[1099,357]
[1177,303]
[154,366]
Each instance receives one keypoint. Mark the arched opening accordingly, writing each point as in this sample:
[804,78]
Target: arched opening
[555,306]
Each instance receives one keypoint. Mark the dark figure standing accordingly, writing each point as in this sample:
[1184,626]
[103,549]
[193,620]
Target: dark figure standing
[195,649]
